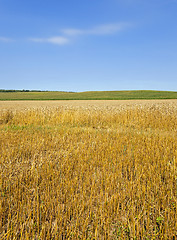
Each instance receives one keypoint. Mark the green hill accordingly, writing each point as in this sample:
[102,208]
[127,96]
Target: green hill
[92,95]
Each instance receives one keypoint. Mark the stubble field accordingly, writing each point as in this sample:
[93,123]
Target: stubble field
[88,169]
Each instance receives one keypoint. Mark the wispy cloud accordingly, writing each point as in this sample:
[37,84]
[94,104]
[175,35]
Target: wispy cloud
[53,40]
[4,39]
[69,33]
[105,29]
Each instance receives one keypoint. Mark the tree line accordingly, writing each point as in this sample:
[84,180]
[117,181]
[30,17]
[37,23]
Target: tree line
[13,90]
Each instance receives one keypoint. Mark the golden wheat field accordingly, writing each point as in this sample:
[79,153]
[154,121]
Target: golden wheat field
[88,170]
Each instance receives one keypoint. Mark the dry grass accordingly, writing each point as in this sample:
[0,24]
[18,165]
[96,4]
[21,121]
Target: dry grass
[89,171]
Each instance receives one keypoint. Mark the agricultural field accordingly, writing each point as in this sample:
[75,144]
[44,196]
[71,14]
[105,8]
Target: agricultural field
[90,95]
[88,169]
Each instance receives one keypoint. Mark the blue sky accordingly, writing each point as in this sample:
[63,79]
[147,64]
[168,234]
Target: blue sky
[86,45]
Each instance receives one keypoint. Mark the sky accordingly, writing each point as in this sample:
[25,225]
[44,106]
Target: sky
[88,45]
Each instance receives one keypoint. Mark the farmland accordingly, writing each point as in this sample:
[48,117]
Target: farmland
[88,169]
[90,95]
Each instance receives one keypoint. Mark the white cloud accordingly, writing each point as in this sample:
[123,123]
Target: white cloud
[108,29]
[58,40]
[69,33]
[72,31]
[105,29]
[4,39]
[53,40]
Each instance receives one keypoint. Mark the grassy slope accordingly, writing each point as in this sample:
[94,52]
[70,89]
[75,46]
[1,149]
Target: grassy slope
[102,95]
